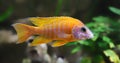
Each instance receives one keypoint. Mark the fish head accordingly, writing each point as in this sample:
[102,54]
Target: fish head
[81,33]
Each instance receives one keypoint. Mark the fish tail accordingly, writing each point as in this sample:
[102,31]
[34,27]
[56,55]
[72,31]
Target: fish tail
[23,31]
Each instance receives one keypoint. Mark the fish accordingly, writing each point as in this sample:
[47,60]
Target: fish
[58,30]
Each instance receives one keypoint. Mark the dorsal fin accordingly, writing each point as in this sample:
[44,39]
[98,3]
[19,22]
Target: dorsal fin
[39,21]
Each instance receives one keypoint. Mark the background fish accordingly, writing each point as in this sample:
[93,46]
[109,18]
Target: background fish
[61,29]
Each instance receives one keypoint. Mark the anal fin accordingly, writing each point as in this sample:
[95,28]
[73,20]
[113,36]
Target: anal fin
[40,40]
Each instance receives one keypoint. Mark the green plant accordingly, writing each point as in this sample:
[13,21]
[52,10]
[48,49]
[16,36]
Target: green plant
[103,43]
[58,7]
[6,14]
[115,10]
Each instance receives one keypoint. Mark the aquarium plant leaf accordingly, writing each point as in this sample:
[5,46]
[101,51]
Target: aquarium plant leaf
[82,42]
[6,14]
[58,7]
[96,36]
[76,49]
[85,59]
[102,19]
[98,59]
[114,10]
[113,57]
[108,40]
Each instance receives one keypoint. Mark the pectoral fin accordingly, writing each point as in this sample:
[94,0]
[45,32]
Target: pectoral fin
[40,40]
[59,43]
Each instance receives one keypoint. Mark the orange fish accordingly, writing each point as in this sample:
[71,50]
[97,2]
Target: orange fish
[61,30]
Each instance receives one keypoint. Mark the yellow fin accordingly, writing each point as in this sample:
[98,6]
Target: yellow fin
[23,31]
[59,43]
[39,21]
[40,40]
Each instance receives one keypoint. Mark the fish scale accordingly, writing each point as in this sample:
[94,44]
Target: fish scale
[48,30]
[53,29]
[56,27]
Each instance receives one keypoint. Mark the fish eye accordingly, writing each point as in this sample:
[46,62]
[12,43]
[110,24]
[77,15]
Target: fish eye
[83,29]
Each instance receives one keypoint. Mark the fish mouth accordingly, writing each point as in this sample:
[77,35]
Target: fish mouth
[90,36]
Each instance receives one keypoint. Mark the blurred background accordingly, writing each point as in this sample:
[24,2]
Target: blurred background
[101,16]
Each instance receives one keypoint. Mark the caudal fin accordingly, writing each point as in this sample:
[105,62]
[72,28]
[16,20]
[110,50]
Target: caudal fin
[23,31]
